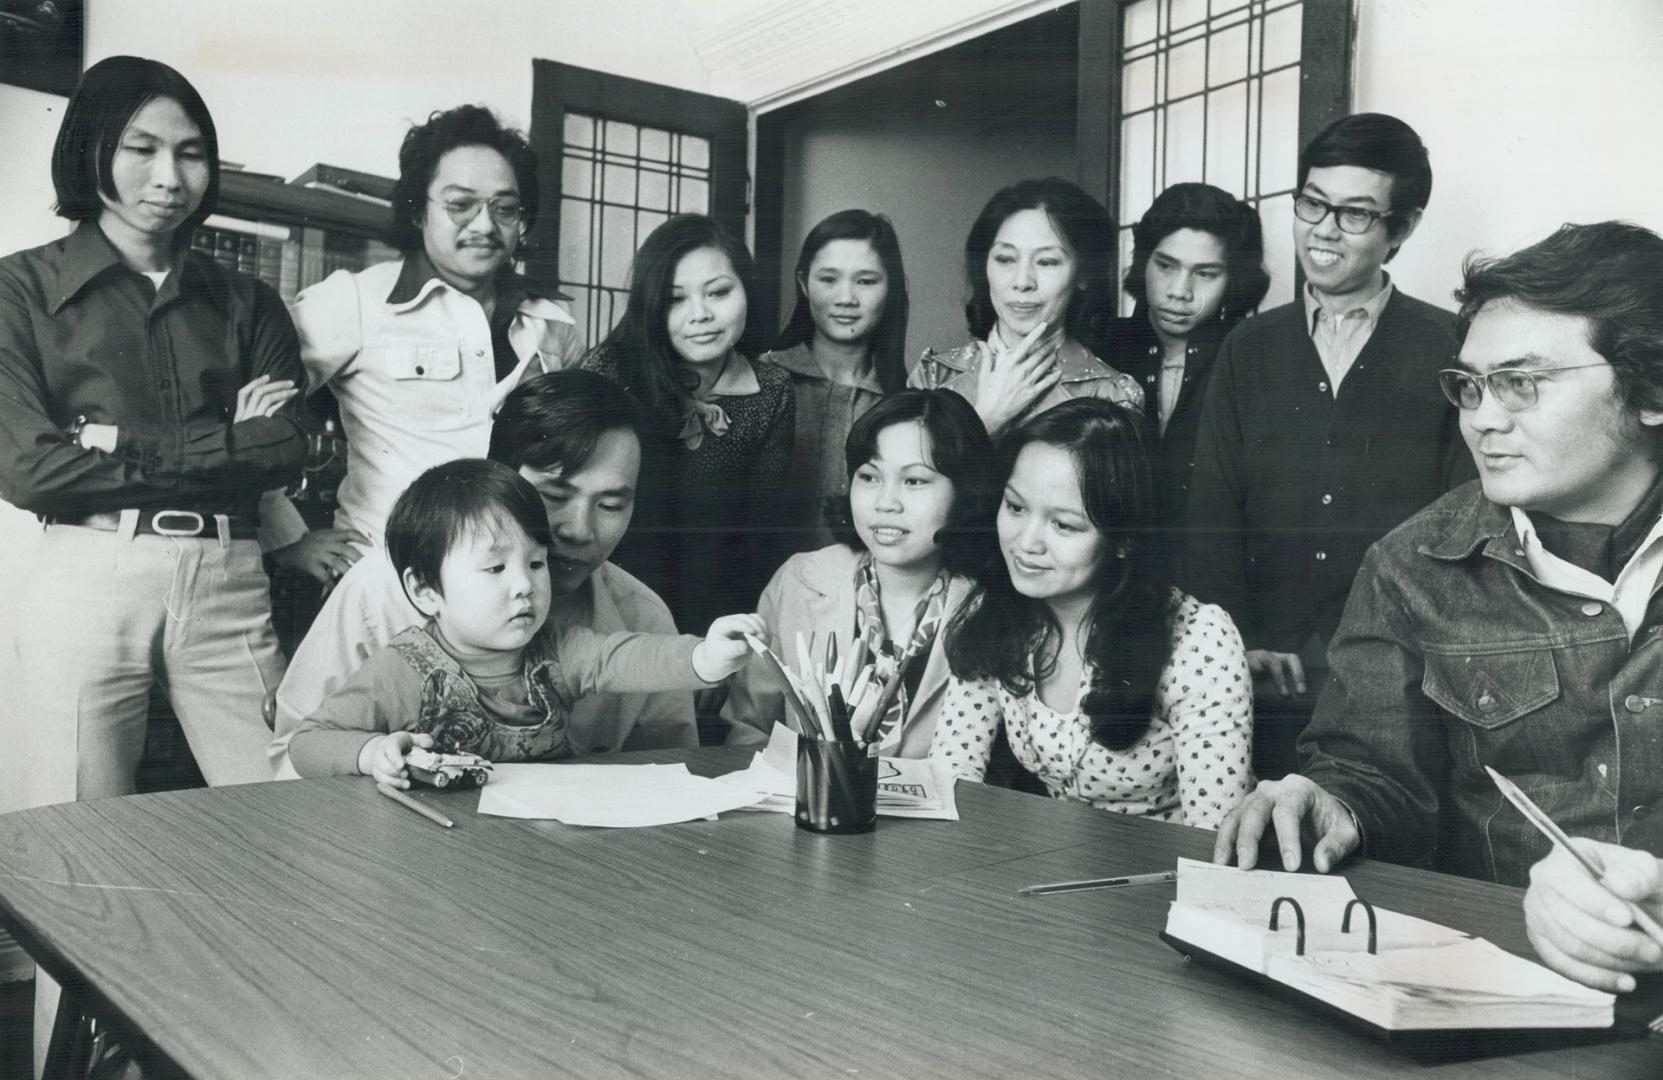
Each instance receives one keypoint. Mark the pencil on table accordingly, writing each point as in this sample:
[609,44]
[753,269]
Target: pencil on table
[427,812]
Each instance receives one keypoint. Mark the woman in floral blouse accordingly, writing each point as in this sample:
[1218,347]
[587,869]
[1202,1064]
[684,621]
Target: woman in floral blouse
[1114,688]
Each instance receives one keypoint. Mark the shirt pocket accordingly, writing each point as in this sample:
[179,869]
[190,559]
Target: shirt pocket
[415,364]
[1490,690]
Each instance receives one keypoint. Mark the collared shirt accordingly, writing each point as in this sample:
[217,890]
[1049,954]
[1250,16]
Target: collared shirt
[413,365]
[826,410]
[1340,335]
[368,608]
[1629,594]
[82,335]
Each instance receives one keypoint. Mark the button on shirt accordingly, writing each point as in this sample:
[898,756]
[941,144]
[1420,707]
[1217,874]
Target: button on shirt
[82,335]
[1629,594]
[411,362]
[1340,336]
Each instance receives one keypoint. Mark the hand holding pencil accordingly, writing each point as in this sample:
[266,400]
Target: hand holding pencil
[1584,928]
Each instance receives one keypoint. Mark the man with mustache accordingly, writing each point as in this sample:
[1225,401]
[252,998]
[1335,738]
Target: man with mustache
[419,351]
[1322,427]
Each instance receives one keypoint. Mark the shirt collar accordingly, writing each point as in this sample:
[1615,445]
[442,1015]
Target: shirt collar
[738,379]
[417,279]
[1370,308]
[89,253]
[799,360]
[1624,594]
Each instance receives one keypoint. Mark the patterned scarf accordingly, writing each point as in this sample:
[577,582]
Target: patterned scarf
[869,627]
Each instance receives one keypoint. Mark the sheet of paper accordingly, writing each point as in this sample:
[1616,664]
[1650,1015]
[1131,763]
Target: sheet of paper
[1248,894]
[608,796]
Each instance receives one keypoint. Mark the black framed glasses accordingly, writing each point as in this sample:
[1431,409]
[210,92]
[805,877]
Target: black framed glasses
[465,208]
[1351,219]
[1515,388]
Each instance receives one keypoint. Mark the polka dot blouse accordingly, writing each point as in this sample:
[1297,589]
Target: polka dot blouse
[1191,767]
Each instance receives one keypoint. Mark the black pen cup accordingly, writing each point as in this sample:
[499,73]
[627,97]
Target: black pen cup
[837,787]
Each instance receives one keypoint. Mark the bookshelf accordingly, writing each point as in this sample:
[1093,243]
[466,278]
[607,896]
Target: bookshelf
[293,235]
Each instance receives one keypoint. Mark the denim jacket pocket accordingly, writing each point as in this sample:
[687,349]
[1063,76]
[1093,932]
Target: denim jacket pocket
[416,363]
[1490,690]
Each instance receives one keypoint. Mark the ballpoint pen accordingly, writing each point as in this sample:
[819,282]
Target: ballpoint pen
[427,812]
[1099,883]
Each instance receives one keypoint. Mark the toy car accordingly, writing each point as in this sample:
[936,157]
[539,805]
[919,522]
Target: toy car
[447,770]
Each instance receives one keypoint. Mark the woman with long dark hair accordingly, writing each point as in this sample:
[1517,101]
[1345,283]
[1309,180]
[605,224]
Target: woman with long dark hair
[1114,688]
[1197,271]
[1037,262]
[844,347]
[718,432]
[910,530]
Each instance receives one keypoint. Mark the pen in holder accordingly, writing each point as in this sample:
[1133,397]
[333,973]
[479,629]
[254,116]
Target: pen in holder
[837,786]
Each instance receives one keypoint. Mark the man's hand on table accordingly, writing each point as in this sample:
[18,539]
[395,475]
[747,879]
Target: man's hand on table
[1294,807]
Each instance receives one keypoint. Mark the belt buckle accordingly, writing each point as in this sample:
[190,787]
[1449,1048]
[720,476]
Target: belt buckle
[166,530]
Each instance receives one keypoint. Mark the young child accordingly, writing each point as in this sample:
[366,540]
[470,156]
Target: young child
[487,674]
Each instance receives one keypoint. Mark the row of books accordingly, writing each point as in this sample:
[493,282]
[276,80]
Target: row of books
[287,260]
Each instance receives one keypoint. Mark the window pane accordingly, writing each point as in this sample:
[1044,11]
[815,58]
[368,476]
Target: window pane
[1186,140]
[1227,56]
[620,138]
[1184,13]
[1137,155]
[1187,69]
[1282,34]
[579,309]
[574,240]
[617,245]
[655,190]
[655,144]
[694,197]
[695,152]
[1221,6]
[1227,138]
[1138,85]
[1279,131]
[646,222]
[620,185]
[1139,26]
[579,130]
[575,177]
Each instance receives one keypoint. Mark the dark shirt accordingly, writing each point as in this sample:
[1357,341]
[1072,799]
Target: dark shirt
[1134,348]
[1293,483]
[1601,549]
[1453,656]
[706,533]
[82,335]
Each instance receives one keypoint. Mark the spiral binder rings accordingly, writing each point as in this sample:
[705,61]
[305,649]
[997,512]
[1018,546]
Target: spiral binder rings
[1391,972]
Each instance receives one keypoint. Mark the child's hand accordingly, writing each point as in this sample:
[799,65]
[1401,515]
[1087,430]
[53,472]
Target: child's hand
[383,756]
[723,650]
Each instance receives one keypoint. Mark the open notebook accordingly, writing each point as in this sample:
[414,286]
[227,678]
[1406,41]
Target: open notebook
[1394,972]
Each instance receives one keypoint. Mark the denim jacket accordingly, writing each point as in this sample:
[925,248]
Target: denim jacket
[1452,656]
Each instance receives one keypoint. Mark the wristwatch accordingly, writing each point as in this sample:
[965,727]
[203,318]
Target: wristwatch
[74,429]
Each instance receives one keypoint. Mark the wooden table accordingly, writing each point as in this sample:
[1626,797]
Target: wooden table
[316,929]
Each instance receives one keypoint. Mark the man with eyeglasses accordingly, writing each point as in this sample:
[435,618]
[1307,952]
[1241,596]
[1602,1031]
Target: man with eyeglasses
[1515,623]
[1322,427]
[419,351]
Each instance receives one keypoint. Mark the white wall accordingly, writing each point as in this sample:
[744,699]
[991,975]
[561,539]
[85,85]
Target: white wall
[303,81]
[1536,112]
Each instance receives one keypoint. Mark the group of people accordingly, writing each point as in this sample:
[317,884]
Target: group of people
[1354,547]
